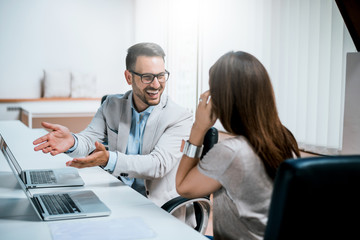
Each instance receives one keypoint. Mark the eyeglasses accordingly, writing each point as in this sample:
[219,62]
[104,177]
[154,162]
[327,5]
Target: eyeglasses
[148,78]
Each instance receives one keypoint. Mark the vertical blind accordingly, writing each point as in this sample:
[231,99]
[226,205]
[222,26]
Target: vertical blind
[300,43]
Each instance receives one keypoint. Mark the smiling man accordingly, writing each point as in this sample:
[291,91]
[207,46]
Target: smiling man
[143,129]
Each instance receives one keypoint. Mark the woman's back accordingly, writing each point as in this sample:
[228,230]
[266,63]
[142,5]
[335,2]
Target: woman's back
[239,171]
[241,206]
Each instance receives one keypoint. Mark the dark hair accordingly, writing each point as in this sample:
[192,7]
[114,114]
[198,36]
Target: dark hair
[243,99]
[142,49]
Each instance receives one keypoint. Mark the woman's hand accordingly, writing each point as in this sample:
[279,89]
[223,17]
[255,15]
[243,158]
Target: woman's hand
[190,182]
[204,119]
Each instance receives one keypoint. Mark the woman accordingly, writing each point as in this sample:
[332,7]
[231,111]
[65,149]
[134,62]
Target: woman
[239,170]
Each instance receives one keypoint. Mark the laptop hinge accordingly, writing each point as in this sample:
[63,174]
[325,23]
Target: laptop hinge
[37,204]
[23,177]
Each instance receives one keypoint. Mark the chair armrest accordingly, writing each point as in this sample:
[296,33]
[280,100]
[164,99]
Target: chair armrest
[201,205]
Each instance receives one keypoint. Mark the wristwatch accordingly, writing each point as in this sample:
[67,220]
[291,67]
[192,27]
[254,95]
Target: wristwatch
[192,150]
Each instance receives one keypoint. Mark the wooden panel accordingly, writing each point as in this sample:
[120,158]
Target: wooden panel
[24,118]
[74,124]
[12,100]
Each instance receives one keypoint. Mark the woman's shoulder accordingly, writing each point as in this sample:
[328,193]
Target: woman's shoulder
[235,147]
[234,143]
[230,147]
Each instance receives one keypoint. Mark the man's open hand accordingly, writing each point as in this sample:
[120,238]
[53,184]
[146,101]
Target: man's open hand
[99,157]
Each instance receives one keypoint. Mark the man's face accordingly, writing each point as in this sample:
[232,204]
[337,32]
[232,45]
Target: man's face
[146,95]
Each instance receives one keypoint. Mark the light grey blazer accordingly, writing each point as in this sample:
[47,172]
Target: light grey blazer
[166,126]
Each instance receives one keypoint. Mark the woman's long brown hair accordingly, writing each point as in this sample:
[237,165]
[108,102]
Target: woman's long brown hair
[243,99]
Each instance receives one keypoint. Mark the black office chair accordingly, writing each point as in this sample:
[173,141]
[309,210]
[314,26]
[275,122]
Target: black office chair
[103,98]
[316,198]
[201,205]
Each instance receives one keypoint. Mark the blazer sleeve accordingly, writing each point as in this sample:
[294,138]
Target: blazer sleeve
[95,131]
[161,147]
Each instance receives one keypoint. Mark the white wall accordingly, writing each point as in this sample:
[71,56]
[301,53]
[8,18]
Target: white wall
[89,36]
[302,44]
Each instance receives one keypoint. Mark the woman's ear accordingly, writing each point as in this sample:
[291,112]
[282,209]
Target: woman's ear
[128,77]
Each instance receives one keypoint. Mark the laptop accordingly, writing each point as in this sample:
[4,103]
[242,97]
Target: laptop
[61,205]
[43,178]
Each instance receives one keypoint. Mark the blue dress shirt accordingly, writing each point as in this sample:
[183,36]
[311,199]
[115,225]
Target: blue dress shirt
[134,146]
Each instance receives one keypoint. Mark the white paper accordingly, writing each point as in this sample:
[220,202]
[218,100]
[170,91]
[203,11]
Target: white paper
[104,229]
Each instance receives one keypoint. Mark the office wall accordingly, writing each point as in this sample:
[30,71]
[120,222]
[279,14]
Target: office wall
[86,36]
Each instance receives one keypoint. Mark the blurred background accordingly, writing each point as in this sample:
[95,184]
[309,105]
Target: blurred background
[302,43]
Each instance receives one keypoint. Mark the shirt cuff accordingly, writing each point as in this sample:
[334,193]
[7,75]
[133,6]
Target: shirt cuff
[110,167]
[74,146]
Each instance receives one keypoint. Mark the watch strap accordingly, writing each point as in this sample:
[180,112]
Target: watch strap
[192,151]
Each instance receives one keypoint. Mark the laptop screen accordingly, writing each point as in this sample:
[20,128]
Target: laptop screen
[9,156]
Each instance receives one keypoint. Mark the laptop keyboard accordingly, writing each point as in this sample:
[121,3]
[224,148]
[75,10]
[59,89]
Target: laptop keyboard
[41,177]
[59,204]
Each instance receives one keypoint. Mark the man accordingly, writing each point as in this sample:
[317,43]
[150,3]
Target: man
[143,129]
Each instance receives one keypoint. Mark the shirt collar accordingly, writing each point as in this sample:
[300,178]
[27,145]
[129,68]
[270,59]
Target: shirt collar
[147,111]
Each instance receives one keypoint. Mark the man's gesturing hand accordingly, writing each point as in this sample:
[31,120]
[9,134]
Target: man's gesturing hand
[99,157]
[57,141]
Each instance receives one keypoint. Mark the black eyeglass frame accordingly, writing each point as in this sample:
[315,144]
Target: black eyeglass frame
[153,76]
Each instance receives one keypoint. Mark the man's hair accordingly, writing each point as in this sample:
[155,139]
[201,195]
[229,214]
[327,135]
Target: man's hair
[143,49]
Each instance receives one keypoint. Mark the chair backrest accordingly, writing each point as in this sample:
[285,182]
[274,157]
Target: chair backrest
[210,139]
[315,198]
[103,98]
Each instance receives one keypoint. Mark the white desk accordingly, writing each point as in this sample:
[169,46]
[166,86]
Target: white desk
[19,221]
[75,114]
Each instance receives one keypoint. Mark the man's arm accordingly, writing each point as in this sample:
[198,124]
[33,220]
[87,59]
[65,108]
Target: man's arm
[94,132]
[99,157]
[165,154]
[156,164]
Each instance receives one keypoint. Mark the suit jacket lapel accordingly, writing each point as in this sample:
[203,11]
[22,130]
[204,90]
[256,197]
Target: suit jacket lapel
[124,124]
[152,124]
[150,130]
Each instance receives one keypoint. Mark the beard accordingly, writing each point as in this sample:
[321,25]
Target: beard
[149,96]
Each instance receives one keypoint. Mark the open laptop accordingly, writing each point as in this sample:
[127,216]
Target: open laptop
[41,178]
[61,205]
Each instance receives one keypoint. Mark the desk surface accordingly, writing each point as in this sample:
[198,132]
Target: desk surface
[19,221]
